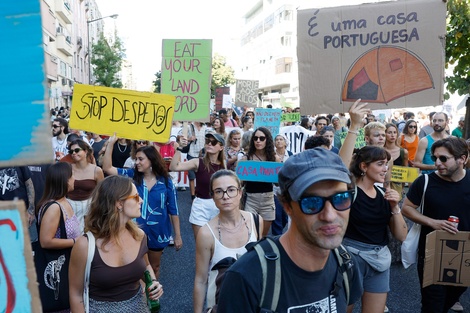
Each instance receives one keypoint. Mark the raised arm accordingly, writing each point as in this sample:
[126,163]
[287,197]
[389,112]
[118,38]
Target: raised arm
[108,167]
[356,113]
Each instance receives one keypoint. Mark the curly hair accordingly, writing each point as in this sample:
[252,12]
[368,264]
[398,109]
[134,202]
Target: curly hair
[269,148]
[156,162]
[103,218]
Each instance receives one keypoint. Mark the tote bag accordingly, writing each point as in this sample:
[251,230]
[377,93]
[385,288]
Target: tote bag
[409,247]
[52,270]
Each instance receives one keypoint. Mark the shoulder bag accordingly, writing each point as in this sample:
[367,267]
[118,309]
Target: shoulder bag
[91,254]
[409,247]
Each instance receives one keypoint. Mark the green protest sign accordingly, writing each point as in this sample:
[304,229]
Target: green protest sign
[360,140]
[186,74]
[290,117]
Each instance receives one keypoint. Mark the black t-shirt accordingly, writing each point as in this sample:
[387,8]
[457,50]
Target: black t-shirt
[12,183]
[38,175]
[369,218]
[301,291]
[442,199]
[120,154]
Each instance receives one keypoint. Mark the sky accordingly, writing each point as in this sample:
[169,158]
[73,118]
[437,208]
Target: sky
[142,24]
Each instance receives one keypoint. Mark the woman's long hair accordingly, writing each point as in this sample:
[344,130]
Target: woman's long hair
[268,149]
[86,147]
[103,218]
[157,163]
[220,157]
[221,130]
[57,183]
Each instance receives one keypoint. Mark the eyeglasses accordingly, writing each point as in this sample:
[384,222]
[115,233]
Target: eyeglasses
[341,201]
[141,142]
[441,158]
[136,197]
[55,126]
[412,126]
[211,141]
[260,138]
[76,150]
[231,192]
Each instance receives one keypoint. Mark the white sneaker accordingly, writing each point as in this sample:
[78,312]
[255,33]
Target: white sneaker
[457,307]
[386,310]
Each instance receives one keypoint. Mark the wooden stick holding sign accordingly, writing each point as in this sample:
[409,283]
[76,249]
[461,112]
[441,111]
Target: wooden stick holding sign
[265,172]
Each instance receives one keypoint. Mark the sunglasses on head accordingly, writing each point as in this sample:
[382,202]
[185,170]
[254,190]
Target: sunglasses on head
[136,197]
[260,138]
[341,201]
[211,141]
[441,158]
[76,150]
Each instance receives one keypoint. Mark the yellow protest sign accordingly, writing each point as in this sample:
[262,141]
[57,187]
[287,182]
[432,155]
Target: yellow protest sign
[129,114]
[402,174]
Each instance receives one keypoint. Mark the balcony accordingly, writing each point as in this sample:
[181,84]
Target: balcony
[64,10]
[64,44]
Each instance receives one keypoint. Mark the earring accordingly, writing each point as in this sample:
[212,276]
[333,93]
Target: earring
[363,173]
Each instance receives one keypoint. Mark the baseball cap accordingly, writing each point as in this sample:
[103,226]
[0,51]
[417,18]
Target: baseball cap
[302,170]
[217,137]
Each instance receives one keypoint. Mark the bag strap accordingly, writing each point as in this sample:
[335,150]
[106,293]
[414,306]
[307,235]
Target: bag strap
[421,205]
[91,254]
[270,261]
[42,211]
[256,219]
[355,192]
[345,265]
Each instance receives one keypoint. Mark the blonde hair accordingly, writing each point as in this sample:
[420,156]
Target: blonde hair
[373,125]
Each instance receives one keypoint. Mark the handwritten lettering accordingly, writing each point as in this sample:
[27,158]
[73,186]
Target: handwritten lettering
[247,92]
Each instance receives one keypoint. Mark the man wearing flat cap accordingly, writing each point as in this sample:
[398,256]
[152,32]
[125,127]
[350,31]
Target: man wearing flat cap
[316,192]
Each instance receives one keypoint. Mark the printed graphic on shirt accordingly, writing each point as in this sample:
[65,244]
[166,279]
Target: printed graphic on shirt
[326,305]
[9,180]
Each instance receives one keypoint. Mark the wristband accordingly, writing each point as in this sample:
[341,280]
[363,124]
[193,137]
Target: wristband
[396,213]
[154,279]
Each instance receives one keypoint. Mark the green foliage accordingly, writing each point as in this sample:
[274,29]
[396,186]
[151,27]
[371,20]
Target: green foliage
[458,47]
[106,60]
[222,74]
[158,82]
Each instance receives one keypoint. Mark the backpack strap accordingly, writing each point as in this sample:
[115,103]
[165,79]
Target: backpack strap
[256,220]
[345,265]
[269,257]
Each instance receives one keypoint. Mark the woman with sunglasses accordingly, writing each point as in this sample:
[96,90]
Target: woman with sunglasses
[222,240]
[233,148]
[136,144]
[203,208]
[159,210]
[121,253]
[87,175]
[409,139]
[259,195]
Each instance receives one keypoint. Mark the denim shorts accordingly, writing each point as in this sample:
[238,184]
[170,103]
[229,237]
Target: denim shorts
[373,281]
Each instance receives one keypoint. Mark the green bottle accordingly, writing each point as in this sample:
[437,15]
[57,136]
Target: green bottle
[154,305]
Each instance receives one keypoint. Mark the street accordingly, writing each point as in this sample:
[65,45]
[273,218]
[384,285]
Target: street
[177,275]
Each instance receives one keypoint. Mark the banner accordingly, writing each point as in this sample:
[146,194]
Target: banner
[246,93]
[297,136]
[269,118]
[402,174]
[25,119]
[259,171]
[18,284]
[186,73]
[129,114]
[389,54]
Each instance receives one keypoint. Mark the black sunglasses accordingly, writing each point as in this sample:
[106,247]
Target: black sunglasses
[76,150]
[412,126]
[341,201]
[141,142]
[441,158]
[261,138]
[211,141]
[55,126]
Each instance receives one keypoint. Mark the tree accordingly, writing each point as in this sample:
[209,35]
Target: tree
[106,60]
[222,74]
[458,52]
[158,82]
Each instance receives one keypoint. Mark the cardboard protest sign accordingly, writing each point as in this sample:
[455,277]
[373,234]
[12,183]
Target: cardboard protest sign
[18,284]
[246,93]
[389,54]
[186,73]
[269,118]
[258,171]
[290,117]
[129,114]
[25,120]
[403,174]
[447,259]
[297,136]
